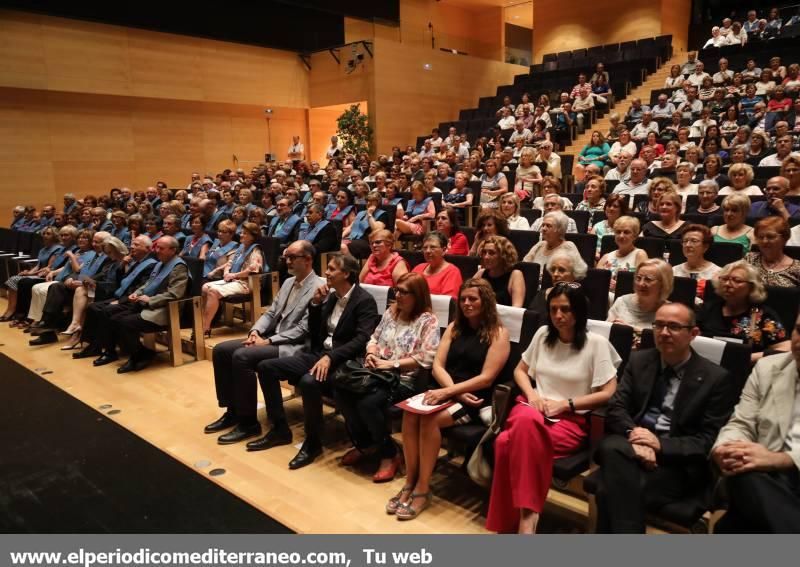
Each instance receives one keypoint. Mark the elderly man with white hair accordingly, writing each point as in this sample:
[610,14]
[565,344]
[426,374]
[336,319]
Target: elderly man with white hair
[643,128]
[638,184]
[622,171]
[520,132]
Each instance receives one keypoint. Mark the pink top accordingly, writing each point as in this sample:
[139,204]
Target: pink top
[445,282]
[376,276]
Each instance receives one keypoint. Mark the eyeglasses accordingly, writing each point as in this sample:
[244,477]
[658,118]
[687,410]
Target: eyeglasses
[398,291]
[692,241]
[565,285]
[731,279]
[659,326]
[293,257]
[377,242]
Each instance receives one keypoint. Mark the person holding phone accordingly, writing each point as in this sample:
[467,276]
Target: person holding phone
[565,372]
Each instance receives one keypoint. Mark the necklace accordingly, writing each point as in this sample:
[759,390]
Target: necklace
[772,265]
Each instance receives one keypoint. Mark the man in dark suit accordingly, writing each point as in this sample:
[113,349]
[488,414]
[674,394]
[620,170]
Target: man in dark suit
[662,422]
[318,231]
[342,317]
[280,332]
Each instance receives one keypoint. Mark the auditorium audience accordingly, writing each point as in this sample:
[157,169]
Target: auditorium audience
[384,266]
[443,277]
[774,266]
[652,285]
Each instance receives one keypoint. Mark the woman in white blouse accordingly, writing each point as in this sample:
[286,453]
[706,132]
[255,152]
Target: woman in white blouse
[624,144]
[509,208]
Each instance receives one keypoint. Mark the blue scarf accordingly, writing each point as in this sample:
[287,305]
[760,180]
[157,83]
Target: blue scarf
[360,226]
[62,258]
[90,268]
[240,256]
[330,209]
[216,252]
[213,221]
[46,253]
[193,250]
[83,259]
[310,235]
[414,209]
[159,274]
[137,269]
[121,233]
[285,230]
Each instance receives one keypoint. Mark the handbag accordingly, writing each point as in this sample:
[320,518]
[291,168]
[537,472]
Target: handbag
[481,464]
[354,377]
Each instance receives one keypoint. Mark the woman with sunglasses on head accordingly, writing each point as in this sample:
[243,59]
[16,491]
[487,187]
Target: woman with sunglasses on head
[564,373]
[471,354]
[738,310]
[384,266]
[443,277]
[404,341]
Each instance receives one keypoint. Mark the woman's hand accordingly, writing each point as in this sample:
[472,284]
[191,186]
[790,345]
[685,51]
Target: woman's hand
[436,397]
[553,408]
[370,360]
[536,402]
[470,399]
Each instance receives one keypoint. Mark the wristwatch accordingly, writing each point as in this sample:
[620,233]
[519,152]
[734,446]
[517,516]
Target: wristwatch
[396,365]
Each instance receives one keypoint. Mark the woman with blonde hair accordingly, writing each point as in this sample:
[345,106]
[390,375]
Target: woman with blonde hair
[509,208]
[790,169]
[734,213]
[498,258]
[626,257]
[670,224]
[418,210]
[741,177]
[528,177]
[551,185]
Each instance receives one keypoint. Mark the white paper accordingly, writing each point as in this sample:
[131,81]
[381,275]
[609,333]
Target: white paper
[512,320]
[602,328]
[711,349]
[415,402]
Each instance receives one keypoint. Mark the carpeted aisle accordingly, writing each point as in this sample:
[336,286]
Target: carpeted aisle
[65,468]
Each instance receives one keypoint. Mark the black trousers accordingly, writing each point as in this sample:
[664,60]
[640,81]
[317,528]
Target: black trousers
[762,502]
[122,326]
[235,376]
[366,419]
[627,491]
[24,293]
[96,317]
[295,370]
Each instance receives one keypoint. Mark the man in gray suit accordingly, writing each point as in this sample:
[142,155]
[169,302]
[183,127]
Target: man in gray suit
[281,332]
[758,451]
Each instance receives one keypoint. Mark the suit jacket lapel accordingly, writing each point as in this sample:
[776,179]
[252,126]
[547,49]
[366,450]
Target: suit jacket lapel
[648,379]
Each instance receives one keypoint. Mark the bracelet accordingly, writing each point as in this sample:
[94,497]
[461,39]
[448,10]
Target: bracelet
[571,405]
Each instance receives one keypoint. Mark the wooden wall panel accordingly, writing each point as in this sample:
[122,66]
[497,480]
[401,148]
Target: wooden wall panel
[330,84]
[409,100]
[675,18]
[73,56]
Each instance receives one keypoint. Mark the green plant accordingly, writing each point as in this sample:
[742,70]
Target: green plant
[354,131]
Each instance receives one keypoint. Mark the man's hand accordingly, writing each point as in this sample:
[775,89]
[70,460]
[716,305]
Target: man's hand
[739,457]
[133,297]
[646,456]
[320,294]
[642,436]
[253,339]
[143,299]
[320,369]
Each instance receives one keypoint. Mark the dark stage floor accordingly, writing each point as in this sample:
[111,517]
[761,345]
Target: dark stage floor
[65,468]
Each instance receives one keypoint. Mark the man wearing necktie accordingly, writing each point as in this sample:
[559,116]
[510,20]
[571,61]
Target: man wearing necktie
[758,451]
[662,422]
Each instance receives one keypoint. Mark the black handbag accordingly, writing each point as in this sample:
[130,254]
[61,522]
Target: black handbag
[354,377]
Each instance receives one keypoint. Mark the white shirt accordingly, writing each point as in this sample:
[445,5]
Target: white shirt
[296,149]
[563,373]
[771,161]
[794,236]
[507,123]
[697,79]
[336,314]
[793,436]
[721,76]
[617,175]
[752,190]
[663,112]
[625,188]
[641,130]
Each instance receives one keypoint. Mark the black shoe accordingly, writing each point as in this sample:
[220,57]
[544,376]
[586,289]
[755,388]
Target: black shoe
[307,454]
[129,366]
[273,438]
[88,352]
[44,339]
[227,421]
[104,359]
[39,331]
[240,433]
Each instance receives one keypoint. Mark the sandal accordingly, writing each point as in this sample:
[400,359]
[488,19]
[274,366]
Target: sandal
[406,512]
[395,503]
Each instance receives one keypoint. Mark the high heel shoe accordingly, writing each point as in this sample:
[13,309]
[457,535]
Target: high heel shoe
[388,473]
[71,346]
[71,330]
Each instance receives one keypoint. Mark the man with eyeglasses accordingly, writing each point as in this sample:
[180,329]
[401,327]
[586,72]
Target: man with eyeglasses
[637,184]
[283,225]
[775,205]
[318,231]
[758,451]
[661,424]
[280,332]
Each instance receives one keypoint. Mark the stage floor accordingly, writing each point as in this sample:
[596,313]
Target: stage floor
[168,407]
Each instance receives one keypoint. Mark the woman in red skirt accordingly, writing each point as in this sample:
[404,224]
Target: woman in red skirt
[565,372]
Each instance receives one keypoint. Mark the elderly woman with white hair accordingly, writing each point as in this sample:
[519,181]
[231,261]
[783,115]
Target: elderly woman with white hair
[738,311]
[553,232]
[563,267]
[626,257]
[653,283]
